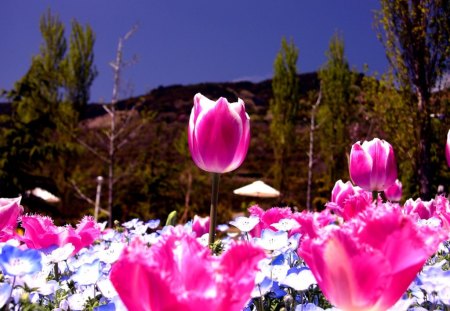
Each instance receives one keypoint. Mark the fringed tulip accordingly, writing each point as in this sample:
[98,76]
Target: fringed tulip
[268,218]
[394,192]
[423,209]
[10,209]
[372,165]
[200,225]
[41,233]
[348,200]
[368,262]
[447,148]
[435,209]
[218,134]
[178,273]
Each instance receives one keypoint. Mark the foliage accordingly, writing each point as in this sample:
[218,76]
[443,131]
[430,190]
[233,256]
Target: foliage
[46,104]
[284,108]
[416,38]
[338,111]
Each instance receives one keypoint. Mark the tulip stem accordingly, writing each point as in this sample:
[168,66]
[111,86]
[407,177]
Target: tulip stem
[375,197]
[213,212]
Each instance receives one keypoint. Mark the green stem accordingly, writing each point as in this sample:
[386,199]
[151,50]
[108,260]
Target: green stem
[375,197]
[213,213]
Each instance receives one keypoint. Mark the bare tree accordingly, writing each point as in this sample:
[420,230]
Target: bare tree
[311,149]
[120,131]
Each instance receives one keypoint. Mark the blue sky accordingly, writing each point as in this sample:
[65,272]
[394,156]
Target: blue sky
[185,42]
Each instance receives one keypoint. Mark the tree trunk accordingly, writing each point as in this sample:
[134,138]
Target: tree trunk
[424,154]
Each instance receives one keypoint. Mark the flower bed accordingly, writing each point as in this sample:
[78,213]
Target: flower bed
[364,251]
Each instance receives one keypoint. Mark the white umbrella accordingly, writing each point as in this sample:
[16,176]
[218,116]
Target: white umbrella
[44,195]
[258,189]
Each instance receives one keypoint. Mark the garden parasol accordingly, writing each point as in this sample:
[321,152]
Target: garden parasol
[258,189]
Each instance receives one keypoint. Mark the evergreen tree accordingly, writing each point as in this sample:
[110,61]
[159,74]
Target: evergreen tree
[284,107]
[416,36]
[336,111]
[44,109]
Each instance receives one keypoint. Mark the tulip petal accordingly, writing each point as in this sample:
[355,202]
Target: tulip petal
[239,265]
[447,149]
[360,167]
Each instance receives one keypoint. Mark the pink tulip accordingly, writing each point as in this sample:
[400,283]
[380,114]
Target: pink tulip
[40,233]
[394,192]
[348,200]
[10,209]
[178,273]
[368,262]
[311,224]
[423,209]
[438,209]
[200,225]
[268,218]
[447,148]
[372,165]
[218,134]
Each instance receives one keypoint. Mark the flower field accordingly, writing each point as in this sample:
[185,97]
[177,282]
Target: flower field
[363,251]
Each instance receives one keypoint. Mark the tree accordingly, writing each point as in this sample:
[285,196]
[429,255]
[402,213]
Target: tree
[43,111]
[336,111]
[416,36]
[390,117]
[284,107]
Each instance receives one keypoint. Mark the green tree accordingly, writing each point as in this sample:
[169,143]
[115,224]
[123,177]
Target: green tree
[284,107]
[336,112]
[392,118]
[44,108]
[416,36]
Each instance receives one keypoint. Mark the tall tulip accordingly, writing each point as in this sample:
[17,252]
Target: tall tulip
[372,165]
[447,149]
[368,262]
[218,138]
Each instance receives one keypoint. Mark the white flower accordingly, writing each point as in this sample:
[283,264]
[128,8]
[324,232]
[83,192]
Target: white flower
[245,224]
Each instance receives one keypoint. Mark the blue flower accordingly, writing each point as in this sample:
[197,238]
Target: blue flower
[87,273]
[272,241]
[17,262]
[245,224]
[153,223]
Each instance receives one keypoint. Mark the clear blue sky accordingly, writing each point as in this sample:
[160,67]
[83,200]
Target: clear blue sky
[191,41]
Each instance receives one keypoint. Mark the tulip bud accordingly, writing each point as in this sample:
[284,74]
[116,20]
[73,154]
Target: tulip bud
[218,134]
[372,165]
[394,192]
[347,200]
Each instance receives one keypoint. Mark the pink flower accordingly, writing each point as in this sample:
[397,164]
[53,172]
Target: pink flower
[394,192]
[218,134]
[178,273]
[200,225]
[372,165]
[447,148]
[268,218]
[40,232]
[10,209]
[312,223]
[368,262]
[348,200]
[438,208]
[423,209]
